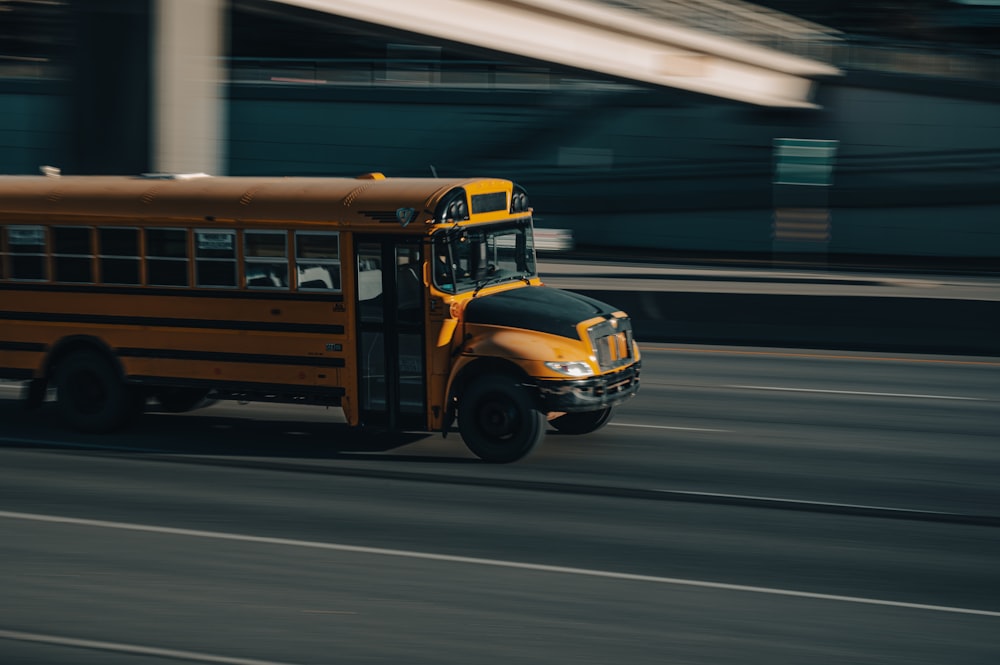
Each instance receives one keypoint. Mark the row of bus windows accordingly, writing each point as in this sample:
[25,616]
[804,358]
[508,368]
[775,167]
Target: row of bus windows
[163,257]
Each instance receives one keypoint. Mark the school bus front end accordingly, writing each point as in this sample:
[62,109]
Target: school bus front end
[579,350]
[521,356]
[533,356]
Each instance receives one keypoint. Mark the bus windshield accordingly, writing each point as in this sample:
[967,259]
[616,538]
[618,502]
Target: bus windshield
[466,259]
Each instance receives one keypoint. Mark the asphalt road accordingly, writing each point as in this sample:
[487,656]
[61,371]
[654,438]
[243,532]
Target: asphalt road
[750,506]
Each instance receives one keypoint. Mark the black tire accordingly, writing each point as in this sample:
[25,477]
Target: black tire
[181,400]
[583,422]
[498,420]
[90,393]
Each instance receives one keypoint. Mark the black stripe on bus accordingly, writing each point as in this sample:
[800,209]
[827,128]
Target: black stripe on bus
[169,322]
[22,346]
[231,389]
[181,291]
[16,374]
[219,356]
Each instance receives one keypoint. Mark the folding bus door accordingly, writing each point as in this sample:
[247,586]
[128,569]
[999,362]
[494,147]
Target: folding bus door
[391,332]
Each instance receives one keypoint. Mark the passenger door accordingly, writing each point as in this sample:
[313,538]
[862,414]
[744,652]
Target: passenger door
[390,296]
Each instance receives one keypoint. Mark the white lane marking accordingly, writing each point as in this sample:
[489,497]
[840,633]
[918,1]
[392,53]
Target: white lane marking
[683,429]
[172,654]
[856,392]
[804,502]
[496,563]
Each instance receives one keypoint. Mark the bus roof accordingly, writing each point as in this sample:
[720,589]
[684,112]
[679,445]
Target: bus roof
[365,200]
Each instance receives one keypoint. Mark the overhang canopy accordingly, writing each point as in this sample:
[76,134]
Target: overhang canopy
[598,38]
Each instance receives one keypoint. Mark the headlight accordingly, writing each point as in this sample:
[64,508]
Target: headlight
[573,368]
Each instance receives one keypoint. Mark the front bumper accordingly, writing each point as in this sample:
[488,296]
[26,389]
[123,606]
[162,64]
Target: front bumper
[590,394]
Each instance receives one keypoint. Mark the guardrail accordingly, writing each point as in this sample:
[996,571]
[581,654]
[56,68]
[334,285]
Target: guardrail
[743,21]
[847,53]
[890,57]
[862,323]
[409,72]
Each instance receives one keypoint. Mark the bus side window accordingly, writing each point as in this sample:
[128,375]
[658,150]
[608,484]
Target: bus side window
[166,257]
[26,253]
[317,261]
[118,255]
[369,277]
[72,254]
[215,257]
[266,259]
[409,284]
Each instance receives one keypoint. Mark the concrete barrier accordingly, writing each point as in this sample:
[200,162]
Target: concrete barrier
[869,323]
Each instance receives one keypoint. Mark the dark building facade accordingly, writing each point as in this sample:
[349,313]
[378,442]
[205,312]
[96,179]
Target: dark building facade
[914,170]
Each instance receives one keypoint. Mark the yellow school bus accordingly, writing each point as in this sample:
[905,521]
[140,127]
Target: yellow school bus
[411,303]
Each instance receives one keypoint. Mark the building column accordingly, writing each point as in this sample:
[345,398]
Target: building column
[188,109]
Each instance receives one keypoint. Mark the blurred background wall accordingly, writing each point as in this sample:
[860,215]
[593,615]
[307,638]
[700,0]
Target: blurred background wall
[901,159]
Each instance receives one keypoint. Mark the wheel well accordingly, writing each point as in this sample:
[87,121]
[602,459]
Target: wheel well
[70,345]
[487,366]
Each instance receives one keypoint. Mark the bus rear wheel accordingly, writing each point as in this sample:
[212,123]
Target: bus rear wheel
[498,420]
[583,422]
[90,394]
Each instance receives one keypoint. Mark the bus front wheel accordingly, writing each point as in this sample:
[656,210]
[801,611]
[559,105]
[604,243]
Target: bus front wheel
[91,396]
[498,420]
[582,423]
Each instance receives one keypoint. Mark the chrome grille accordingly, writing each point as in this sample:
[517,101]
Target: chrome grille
[612,343]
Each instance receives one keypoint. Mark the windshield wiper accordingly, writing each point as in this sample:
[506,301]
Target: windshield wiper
[495,279]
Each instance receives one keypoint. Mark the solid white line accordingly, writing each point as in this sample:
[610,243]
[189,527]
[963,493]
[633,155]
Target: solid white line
[131,648]
[497,563]
[856,392]
[684,429]
[804,502]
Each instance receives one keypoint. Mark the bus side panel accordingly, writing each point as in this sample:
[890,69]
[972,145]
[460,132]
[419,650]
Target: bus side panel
[157,337]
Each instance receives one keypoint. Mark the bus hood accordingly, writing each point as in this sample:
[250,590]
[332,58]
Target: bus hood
[541,308]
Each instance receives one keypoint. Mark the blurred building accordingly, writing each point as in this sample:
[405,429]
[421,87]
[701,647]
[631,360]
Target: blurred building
[915,169]
[962,23]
